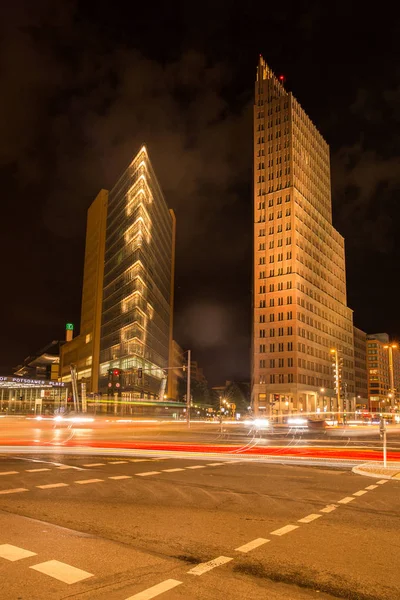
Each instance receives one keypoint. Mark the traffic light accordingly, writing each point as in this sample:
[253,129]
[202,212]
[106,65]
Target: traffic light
[140,373]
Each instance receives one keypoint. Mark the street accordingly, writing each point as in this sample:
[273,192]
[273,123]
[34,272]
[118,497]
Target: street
[104,527]
[349,444]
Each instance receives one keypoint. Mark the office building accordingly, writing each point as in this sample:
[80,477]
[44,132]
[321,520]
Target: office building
[383,364]
[125,343]
[83,351]
[360,368]
[137,310]
[300,308]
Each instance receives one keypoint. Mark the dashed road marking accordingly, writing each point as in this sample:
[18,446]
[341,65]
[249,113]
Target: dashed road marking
[360,493]
[9,473]
[172,470]
[84,481]
[52,485]
[382,481]
[156,590]
[94,465]
[64,467]
[118,462]
[215,464]
[284,530]
[196,467]
[346,500]
[121,477]
[14,491]
[371,487]
[208,566]
[61,571]
[36,470]
[329,508]
[135,460]
[309,518]
[252,545]
[148,473]
[13,553]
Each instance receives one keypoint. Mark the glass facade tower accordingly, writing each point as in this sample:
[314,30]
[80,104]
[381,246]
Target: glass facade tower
[136,324]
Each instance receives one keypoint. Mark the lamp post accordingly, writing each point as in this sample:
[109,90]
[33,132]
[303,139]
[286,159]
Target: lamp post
[188,391]
[392,391]
[322,390]
[336,377]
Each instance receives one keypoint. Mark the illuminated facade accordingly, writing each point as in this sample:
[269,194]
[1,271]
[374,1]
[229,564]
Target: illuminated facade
[84,350]
[137,310]
[360,368]
[383,363]
[300,310]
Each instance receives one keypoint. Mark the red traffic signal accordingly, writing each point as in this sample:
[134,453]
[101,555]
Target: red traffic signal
[116,372]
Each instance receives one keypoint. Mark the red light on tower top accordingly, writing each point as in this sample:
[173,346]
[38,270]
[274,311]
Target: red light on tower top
[282,78]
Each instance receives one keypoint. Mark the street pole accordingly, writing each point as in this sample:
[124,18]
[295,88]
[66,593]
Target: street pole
[188,391]
[382,428]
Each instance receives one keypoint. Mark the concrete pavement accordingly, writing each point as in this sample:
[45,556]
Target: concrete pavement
[180,528]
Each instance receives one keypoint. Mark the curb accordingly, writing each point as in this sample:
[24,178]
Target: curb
[367,470]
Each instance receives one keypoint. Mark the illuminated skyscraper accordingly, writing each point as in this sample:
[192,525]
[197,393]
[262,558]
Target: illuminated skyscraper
[136,329]
[125,340]
[300,309]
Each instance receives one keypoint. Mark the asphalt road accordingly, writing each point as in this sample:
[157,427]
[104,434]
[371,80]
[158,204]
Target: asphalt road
[111,528]
[356,444]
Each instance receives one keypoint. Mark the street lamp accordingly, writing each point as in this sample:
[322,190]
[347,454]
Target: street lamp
[392,394]
[336,376]
[322,390]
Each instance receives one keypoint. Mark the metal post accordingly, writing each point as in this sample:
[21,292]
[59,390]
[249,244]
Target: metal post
[188,391]
[382,429]
[384,448]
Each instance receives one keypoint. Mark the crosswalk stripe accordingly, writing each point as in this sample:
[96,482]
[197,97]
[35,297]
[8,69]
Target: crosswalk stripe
[156,590]
[61,571]
[13,553]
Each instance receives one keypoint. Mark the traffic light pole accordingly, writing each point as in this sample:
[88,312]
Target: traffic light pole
[188,391]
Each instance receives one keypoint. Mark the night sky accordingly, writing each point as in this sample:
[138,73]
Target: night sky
[84,84]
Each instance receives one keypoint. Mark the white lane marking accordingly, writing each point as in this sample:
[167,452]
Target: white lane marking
[148,473]
[215,464]
[14,491]
[283,530]
[211,564]
[9,473]
[309,518]
[118,462]
[171,470]
[360,493]
[252,545]
[346,500]
[12,553]
[196,467]
[52,485]
[134,460]
[83,481]
[36,470]
[371,487]
[155,590]
[328,508]
[121,477]
[61,571]
[63,467]
[382,481]
[94,465]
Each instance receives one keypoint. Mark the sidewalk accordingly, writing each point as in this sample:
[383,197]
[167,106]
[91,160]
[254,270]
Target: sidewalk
[376,469]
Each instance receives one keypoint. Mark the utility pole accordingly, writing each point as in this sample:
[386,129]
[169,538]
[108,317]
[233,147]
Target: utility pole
[188,391]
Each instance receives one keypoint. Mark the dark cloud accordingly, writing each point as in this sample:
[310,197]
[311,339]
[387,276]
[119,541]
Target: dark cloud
[84,85]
